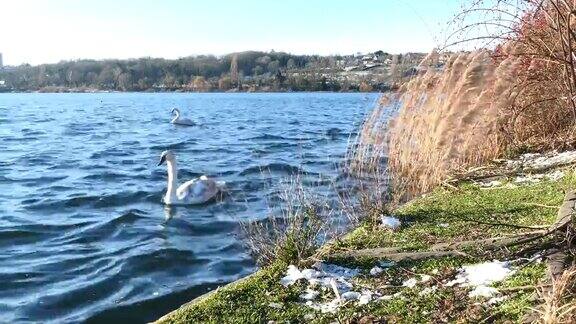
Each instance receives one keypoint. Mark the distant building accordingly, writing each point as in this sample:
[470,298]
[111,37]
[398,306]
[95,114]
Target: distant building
[1,63]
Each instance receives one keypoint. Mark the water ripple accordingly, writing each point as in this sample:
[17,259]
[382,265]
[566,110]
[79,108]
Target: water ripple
[83,234]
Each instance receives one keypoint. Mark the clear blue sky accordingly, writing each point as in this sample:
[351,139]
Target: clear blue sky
[38,31]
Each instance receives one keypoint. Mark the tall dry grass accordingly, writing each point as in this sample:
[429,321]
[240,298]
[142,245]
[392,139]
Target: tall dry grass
[294,233]
[559,304]
[515,93]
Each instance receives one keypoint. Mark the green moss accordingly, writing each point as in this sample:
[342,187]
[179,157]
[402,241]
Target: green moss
[446,214]
[462,210]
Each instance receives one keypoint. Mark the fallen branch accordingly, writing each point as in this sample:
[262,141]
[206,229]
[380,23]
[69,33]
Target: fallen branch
[541,205]
[489,243]
[502,224]
[382,253]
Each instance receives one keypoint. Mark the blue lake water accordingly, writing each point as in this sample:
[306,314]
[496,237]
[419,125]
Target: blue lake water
[84,236]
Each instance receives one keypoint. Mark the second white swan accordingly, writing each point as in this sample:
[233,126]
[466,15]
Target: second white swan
[177,120]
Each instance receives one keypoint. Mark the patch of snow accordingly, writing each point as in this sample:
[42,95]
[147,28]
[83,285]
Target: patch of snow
[483,291]
[555,176]
[276,305]
[456,281]
[365,298]
[486,273]
[425,278]
[292,275]
[496,300]
[491,184]
[527,179]
[311,274]
[392,223]
[443,225]
[480,276]
[427,291]
[410,283]
[334,270]
[309,294]
[329,307]
[539,161]
[337,281]
[376,271]
[385,297]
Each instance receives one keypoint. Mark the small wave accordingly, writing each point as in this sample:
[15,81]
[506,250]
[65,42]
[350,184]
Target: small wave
[265,137]
[115,152]
[11,235]
[103,230]
[108,176]
[104,201]
[29,182]
[272,167]
[78,129]
[32,132]
[205,229]
[158,261]
[173,146]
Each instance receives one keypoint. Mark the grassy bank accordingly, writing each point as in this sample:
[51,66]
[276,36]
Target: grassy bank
[463,212]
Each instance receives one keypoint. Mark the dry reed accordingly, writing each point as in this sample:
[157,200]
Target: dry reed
[293,234]
[559,304]
[516,93]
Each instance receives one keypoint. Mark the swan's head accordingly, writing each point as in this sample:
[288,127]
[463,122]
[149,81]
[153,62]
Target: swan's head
[175,111]
[166,156]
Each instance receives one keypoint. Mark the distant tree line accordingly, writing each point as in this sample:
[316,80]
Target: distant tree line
[246,71]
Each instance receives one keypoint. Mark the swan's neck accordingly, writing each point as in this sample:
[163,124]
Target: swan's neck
[177,112]
[172,181]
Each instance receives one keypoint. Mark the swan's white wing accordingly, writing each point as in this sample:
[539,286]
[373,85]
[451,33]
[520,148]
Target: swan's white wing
[183,121]
[197,190]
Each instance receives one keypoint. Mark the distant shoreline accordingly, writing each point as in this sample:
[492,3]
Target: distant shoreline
[72,90]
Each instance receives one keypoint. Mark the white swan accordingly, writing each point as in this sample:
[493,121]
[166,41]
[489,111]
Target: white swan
[196,191]
[177,120]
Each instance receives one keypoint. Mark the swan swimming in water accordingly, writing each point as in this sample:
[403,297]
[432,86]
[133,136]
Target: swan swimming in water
[177,120]
[195,191]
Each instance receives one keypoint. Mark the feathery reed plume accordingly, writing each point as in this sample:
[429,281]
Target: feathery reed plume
[560,302]
[516,93]
[449,119]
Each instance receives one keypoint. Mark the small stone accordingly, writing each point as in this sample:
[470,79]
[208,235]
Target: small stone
[376,271]
[350,295]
